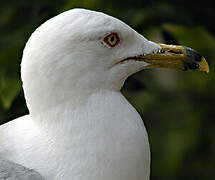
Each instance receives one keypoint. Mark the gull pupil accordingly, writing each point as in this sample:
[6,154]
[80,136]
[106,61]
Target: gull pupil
[112,39]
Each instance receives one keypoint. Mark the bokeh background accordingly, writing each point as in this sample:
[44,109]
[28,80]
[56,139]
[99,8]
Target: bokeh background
[177,107]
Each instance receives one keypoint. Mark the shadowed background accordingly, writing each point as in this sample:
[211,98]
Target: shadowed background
[178,108]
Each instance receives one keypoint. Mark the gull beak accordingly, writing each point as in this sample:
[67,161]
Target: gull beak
[175,57]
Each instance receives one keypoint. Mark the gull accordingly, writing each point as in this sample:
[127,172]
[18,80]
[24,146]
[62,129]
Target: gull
[79,125]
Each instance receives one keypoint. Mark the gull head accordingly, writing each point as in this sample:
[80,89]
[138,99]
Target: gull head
[80,52]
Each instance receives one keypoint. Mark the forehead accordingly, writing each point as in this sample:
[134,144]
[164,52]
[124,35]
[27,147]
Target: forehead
[85,22]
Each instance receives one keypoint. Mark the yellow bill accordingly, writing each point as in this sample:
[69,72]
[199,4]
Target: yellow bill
[176,57]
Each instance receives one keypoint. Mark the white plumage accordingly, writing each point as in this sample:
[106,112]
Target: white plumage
[80,126]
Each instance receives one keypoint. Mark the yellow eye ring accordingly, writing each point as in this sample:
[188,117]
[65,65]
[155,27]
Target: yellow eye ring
[112,39]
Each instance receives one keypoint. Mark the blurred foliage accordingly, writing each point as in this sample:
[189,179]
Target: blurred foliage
[178,108]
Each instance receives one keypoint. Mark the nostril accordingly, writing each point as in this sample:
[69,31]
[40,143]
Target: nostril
[175,52]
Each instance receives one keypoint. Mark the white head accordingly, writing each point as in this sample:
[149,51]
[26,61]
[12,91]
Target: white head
[70,55]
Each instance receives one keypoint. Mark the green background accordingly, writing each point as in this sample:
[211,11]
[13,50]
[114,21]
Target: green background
[177,107]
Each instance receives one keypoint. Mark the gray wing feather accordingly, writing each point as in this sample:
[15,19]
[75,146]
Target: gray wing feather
[13,171]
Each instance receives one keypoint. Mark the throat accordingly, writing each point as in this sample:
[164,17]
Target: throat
[99,111]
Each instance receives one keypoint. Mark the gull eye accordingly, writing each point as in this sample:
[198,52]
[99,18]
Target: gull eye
[112,39]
